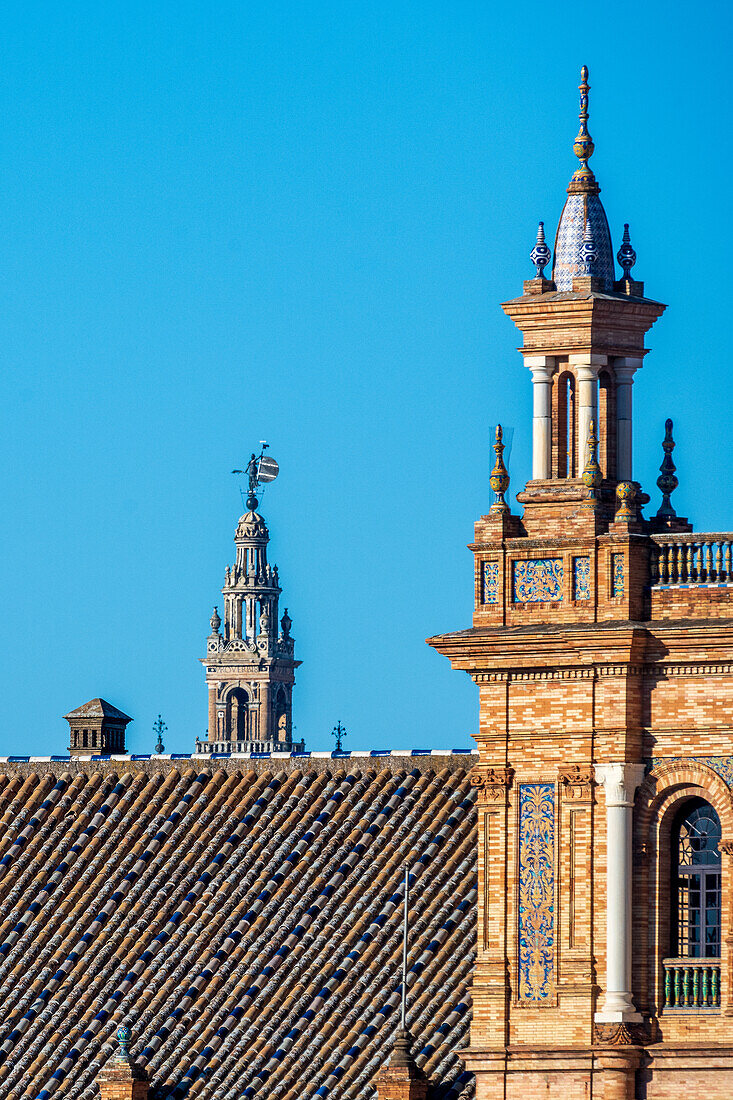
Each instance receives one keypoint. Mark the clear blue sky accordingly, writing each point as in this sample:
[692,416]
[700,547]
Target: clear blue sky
[221,222]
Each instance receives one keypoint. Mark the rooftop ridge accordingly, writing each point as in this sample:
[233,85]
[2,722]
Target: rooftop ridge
[201,758]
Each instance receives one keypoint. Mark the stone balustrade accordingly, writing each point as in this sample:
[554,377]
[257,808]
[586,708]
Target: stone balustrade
[692,559]
[691,984]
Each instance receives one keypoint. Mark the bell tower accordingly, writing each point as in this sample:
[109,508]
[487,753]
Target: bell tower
[250,663]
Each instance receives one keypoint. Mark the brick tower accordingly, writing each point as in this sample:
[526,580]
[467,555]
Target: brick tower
[250,667]
[602,645]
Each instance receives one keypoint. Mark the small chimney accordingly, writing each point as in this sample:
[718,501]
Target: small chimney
[121,1078]
[401,1079]
[97,728]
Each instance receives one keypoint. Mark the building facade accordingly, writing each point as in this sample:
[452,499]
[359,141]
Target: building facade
[250,663]
[601,645]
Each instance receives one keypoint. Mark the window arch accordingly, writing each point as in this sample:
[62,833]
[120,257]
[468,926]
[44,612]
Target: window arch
[696,881]
[564,458]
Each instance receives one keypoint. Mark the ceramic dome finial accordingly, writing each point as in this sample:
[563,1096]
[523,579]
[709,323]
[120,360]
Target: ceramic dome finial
[626,255]
[540,254]
[583,146]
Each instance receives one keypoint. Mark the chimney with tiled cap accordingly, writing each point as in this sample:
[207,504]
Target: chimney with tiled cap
[97,728]
[121,1078]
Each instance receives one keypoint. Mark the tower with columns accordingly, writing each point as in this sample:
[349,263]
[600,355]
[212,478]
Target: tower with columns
[602,646]
[250,656]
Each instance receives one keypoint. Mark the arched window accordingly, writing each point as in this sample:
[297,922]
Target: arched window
[564,441]
[237,715]
[696,882]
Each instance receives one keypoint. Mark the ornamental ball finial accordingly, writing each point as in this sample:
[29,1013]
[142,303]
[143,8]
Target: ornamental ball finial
[123,1038]
[540,254]
[215,621]
[499,480]
[667,482]
[626,255]
[626,498]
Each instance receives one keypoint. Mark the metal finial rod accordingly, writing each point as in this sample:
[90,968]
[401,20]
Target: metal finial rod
[403,1010]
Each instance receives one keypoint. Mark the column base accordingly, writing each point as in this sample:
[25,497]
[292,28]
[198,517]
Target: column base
[618,1016]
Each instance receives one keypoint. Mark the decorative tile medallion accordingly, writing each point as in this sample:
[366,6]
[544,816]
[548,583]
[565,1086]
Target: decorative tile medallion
[617,574]
[491,582]
[536,891]
[581,578]
[537,580]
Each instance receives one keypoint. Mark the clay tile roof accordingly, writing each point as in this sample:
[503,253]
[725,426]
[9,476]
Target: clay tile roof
[98,708]
[242,917]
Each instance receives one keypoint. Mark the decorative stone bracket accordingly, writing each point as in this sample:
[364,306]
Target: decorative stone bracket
[577,782]
[492,784]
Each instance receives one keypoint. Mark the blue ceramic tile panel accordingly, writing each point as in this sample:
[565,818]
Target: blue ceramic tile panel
[536,891]
[581,578]
[491,582]
[617,574]
[537,580]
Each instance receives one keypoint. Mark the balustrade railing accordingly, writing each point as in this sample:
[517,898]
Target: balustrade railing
[693,984]
[692,559]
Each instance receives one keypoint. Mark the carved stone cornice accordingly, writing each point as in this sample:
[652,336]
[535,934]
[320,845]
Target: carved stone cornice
[492,783]
[577,781]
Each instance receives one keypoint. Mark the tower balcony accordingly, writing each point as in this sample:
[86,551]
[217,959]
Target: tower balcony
[692,575]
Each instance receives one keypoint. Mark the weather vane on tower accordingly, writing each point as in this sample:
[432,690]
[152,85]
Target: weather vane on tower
[260,470]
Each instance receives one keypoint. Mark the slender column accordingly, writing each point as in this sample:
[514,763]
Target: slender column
[619,782]
[586,369]
[212,712]
[265,732]
[238,617]
[624,371]
[542,367]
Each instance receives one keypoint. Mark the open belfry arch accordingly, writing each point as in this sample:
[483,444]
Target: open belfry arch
[602,648]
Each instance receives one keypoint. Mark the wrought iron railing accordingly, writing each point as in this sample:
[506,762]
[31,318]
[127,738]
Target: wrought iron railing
[692,559]
[692,984]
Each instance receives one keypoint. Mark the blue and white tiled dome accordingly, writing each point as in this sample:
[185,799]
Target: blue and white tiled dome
[580,208]
[583,241]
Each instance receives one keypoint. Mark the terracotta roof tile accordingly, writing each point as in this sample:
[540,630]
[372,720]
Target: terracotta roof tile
[241,916]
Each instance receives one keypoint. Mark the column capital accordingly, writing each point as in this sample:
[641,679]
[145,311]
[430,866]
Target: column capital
[592,359]
[619,782]
[540,362]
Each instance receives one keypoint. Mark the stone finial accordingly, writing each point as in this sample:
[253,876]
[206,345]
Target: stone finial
[215,620]
[583,145]
[499,479]
[286,623]
[626,255]
[667,481]
[540,254]
[588,250]
[592,476]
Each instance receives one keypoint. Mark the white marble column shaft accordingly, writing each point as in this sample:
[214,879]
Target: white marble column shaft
[542,367]
[619,782]
[586,372]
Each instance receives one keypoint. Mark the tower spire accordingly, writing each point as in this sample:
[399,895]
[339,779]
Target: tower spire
[583,147]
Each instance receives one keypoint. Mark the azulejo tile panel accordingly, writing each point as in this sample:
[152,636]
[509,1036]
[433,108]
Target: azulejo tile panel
[721,765]
[617,574]
[537,580]
[491,582]
[581,578]
[536,891]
